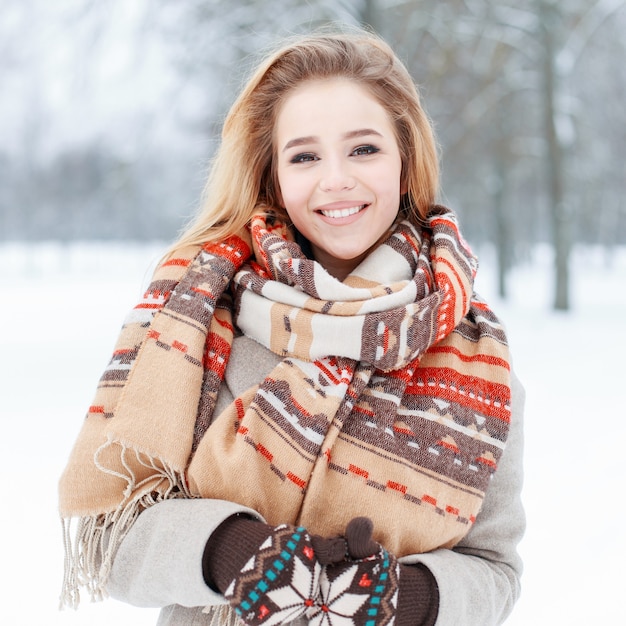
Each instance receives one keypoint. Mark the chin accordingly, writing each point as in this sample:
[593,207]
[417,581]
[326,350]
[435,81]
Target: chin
[352,258]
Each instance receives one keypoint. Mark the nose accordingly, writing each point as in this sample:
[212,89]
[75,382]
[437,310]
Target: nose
[336,176]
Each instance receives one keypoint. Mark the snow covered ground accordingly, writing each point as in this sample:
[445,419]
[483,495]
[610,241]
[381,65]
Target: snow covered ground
[61,310]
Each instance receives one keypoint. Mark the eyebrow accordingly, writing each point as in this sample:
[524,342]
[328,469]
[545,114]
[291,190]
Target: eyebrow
[361,132]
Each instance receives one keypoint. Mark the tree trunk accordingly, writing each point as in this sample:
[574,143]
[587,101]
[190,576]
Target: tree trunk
[560,219]
[504,243]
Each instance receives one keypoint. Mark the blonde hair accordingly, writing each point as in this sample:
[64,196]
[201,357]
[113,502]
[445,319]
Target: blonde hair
[242,179]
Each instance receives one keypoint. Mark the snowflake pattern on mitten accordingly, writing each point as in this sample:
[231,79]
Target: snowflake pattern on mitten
[280,582]
[358,593]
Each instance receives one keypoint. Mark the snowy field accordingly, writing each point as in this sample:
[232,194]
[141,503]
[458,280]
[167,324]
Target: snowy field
[62,310]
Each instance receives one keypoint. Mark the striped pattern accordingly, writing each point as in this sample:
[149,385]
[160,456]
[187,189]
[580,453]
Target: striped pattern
[404,423]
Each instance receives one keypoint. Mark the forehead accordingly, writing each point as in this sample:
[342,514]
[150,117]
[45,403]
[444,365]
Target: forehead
[321,106]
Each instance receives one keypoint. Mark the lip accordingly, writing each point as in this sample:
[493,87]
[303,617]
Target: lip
[342,210]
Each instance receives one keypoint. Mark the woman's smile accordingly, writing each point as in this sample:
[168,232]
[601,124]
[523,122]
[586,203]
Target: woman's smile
[338,211]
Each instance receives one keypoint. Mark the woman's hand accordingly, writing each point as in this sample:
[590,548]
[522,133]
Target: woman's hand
[280,582]
[361,585]
[362,582]
[269,575]
[273,575]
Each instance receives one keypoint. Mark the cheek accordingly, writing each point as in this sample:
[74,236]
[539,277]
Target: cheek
[391,192]
[292,191]
[399,187]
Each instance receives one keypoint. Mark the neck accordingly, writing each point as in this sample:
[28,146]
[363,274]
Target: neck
[338,268]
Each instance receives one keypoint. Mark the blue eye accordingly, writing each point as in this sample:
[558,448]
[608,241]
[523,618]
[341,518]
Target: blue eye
[303,157]
[365,150]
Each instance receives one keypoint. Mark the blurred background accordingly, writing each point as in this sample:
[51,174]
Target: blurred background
[109,115]
[110,111]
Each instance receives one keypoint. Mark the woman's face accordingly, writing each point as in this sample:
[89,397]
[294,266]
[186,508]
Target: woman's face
[338,167]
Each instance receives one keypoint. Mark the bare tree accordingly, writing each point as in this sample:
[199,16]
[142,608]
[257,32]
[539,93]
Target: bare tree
[532,134]
[564,38]
[497,79]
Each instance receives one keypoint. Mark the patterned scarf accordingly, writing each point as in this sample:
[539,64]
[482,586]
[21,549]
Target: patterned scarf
[391,400]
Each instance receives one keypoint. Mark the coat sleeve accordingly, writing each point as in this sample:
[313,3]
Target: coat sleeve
[159,561]
[479,579]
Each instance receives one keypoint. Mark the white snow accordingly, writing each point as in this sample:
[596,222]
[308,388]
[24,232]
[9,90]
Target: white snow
[62,307]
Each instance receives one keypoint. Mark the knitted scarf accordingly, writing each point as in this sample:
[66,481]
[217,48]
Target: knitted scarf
[391,400]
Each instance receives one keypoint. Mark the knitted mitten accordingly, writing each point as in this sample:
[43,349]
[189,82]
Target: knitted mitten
[273,586]
[418,595]
[362,590]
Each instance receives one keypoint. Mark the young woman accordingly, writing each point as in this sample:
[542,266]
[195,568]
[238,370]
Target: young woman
[310,416]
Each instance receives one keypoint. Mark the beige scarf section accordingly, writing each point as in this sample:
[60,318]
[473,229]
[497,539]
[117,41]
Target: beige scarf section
[391,400]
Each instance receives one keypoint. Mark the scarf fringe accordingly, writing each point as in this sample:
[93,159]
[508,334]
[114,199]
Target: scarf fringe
[91,542]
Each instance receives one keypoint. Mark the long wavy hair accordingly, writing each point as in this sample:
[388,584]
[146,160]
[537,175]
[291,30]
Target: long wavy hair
[242,179]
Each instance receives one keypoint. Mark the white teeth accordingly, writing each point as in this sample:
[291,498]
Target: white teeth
[337,213]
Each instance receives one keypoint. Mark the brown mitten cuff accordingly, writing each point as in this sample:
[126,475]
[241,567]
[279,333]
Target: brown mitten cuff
[232,543]
[418,597]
